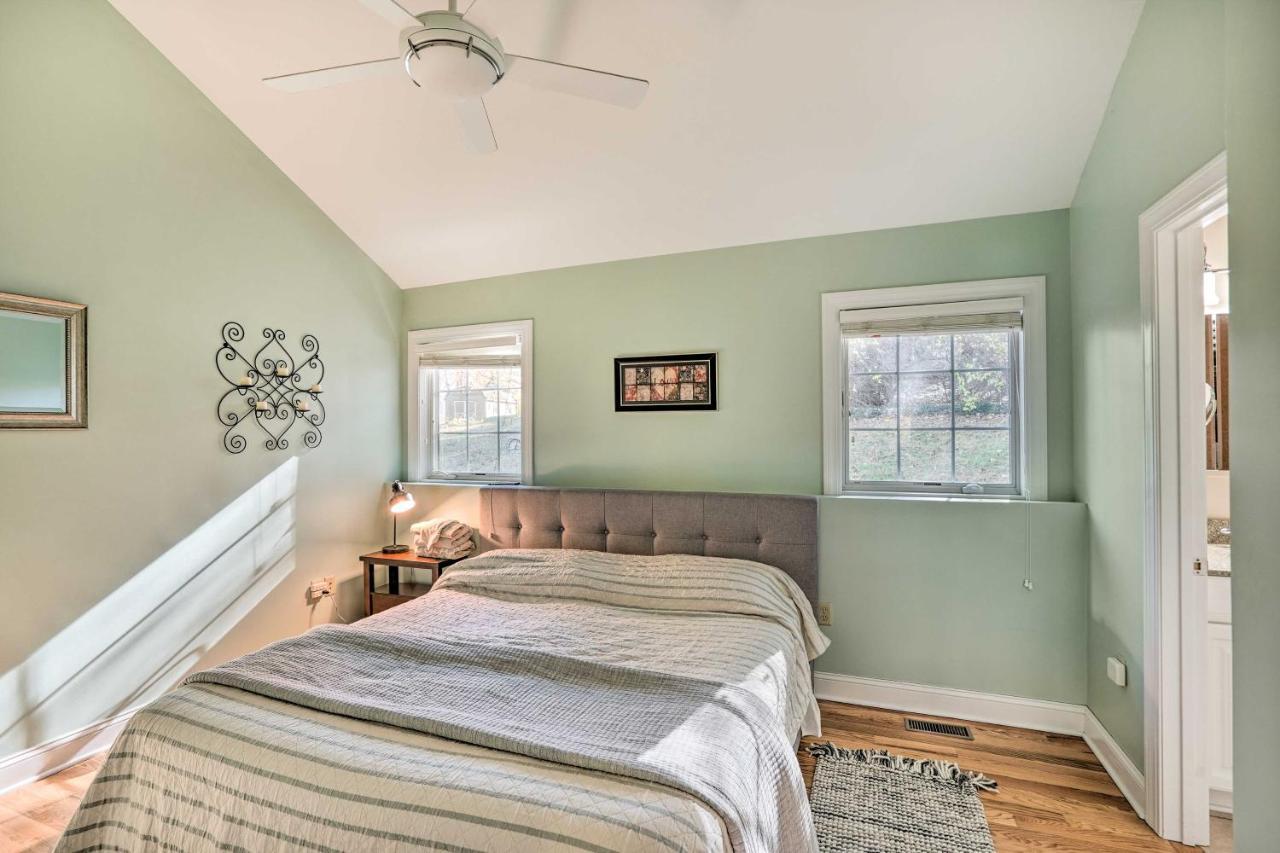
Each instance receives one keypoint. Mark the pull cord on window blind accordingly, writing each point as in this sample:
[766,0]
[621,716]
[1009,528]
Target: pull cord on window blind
[500,351]
[983,315]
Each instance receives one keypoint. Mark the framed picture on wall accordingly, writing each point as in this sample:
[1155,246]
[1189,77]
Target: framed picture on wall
[665,383]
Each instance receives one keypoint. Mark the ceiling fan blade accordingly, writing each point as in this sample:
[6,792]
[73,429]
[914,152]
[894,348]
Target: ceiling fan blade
[392,11]
[323,77]
[474,119]
[616,89]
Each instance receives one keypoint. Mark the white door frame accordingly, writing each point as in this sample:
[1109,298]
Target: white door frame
[1176,623]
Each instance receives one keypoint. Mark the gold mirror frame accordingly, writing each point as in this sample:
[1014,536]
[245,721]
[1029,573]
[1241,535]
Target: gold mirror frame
[77,361]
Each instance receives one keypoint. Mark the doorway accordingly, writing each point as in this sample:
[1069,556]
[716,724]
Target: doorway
[1217,386]
[1187,414]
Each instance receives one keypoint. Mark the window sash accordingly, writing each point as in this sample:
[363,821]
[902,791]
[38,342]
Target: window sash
[1017,449]
[430,390]
[502,344]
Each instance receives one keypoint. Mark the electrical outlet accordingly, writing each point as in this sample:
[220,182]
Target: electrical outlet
[321,588]
[824,613]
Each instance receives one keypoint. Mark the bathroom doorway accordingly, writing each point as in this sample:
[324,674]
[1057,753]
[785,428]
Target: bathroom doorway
[1217,385]
[1185,279]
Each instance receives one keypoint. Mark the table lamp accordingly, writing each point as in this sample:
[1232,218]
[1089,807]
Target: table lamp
[400,501]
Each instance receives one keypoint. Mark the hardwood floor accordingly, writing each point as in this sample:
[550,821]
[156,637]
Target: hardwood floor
[32,818]
[1222,833]
[1054,795]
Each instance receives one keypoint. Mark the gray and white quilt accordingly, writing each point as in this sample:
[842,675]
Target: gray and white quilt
[535,700]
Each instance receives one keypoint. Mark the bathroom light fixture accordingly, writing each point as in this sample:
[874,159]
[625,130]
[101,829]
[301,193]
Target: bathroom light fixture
[1210,287]
[1211,296]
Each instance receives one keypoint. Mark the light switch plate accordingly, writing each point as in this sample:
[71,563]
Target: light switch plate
[1117,672]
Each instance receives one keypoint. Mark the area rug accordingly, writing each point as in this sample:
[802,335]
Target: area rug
[869,801]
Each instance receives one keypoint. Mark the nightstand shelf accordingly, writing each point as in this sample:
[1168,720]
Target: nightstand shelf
[380,597]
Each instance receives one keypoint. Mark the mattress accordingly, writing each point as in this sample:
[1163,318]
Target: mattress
[214,767]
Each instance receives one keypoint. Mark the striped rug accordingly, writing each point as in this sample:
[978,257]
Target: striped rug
[870,801]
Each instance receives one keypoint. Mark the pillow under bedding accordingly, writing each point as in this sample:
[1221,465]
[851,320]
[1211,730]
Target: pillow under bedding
[668,582]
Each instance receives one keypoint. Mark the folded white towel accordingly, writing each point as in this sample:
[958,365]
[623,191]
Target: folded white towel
[442,538]
[432,537]
[446,528]
[442,553]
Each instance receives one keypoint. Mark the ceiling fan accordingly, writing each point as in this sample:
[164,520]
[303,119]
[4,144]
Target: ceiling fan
[453,58]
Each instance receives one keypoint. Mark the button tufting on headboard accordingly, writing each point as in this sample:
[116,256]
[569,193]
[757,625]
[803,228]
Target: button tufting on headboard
[780,530]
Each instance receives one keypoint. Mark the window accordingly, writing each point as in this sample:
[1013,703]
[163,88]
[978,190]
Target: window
[927,389]
[470,409]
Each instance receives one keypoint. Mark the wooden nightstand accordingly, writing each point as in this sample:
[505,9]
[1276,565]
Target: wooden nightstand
[395,591]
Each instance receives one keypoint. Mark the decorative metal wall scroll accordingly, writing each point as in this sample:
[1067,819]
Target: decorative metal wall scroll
[272,389]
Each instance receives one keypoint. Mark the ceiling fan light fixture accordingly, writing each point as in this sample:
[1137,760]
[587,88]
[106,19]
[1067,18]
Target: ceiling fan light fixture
[450,71]
[451,58]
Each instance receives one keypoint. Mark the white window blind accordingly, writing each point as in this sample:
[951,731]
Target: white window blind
[497,351]
[949,317]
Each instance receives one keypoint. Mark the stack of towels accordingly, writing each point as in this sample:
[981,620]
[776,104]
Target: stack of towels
[442,538]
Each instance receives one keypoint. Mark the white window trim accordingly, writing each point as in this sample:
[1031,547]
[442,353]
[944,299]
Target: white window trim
[414,404]
[1034,371]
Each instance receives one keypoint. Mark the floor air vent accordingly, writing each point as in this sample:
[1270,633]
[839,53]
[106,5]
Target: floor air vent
[931,728]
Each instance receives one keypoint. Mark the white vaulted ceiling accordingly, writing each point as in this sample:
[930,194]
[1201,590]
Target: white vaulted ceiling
[764,121]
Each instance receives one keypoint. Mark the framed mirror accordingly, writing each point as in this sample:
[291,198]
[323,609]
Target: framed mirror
[43,363]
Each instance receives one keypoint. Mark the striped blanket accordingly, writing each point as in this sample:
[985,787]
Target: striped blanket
[568,701]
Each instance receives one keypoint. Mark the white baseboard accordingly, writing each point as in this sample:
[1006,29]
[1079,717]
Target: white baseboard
[28,766]
[1037,714]
[1128,778]
[1221,802]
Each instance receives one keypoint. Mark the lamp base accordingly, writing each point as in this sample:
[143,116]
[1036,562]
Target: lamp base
[394,549]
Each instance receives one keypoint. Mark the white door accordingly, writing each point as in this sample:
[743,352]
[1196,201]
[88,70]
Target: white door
[1193,534]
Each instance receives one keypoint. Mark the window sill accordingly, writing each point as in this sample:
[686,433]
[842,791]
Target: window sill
[461,482]
[934,498]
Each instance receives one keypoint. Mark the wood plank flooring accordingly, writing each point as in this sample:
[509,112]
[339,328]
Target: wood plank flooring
[32,817]
[1054,795]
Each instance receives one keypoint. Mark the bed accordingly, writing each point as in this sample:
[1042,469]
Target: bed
[618,671]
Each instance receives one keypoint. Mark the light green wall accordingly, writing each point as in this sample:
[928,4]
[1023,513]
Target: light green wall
[32,363]
[928,592]
[139,548]
[1253,145]
[1164,121]
[931,592]
[758,306]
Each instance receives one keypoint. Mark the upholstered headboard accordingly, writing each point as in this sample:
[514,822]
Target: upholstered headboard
[780,530]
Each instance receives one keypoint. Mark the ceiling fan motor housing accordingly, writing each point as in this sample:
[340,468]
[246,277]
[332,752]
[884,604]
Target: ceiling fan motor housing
[451,57]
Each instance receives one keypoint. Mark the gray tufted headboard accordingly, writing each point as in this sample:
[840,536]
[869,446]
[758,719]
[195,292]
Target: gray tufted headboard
[780,530]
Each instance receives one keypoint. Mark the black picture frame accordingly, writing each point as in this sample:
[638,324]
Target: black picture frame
[702,400]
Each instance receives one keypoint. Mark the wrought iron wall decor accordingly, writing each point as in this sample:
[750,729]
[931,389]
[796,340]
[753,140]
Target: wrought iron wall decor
[272,387]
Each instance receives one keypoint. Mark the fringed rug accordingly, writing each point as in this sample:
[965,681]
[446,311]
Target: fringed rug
[869,801]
